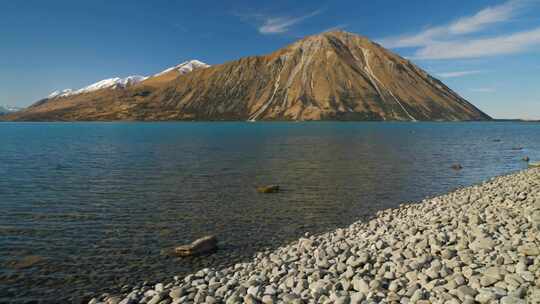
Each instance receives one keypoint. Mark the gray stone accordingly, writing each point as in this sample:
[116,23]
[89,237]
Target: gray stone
[268,299]
[254,291]
[176,293]
[488,281]
[357,297]
[250,299]
[512,300]
[527,276]
[291,298]
[460,280]
[482,244]
[233,300]
[210,300]
[485,296]
[529,249]
[360,285]
[158,287]
[155,299]
[464,292]
[200,246]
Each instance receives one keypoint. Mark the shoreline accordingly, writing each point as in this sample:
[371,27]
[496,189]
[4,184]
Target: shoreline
[478,244]
[272,121]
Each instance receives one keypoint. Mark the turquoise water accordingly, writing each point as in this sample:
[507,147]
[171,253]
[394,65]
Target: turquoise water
[96,206]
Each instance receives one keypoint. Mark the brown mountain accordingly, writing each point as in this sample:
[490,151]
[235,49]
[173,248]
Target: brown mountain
[331,76]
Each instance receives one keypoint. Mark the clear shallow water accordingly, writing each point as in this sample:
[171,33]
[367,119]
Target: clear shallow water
[90,207]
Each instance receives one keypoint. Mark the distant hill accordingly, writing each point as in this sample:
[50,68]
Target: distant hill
[331,76]
[9,109]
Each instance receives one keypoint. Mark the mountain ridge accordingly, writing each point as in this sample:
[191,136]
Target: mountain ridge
[330,76]
[117,82]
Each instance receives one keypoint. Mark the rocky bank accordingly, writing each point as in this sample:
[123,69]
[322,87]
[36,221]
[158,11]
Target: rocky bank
[479,244]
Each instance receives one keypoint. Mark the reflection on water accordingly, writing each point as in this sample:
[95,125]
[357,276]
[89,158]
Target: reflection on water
[88,207]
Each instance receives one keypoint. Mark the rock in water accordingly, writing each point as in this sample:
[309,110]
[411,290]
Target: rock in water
[526,159]
[203,245]
[26,262]
[536,164]
[456,167]
[268,189]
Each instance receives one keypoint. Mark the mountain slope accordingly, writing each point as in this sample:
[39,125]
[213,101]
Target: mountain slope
[335,75]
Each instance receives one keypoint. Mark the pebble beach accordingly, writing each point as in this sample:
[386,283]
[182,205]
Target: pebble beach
[479,244]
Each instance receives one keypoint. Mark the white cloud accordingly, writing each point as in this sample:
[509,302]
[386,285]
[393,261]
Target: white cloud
[475,48]
[482,90]
[278,25]
[465,25]
[486,17]
[457,74]
[453,41]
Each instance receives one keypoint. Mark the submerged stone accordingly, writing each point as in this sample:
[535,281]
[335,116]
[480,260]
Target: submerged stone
[203,245]
[268,189]
[456,166]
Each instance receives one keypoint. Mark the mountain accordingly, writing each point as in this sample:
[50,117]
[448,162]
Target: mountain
[330,76]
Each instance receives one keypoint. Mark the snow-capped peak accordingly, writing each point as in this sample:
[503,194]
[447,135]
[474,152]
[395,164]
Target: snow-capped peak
[131,80]
[60,93]
[111,83]
[185,67]
[116,82]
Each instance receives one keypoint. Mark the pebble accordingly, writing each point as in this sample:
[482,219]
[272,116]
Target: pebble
[512,300]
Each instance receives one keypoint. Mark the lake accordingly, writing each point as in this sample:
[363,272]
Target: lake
[91,207]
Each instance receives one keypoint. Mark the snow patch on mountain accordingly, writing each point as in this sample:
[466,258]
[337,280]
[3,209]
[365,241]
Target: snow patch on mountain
[122,83]
[185,67]
[111,83]
[65,92]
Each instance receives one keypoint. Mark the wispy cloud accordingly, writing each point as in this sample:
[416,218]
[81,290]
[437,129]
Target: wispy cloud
[282,24]
[457,74]
[475,48]
[482,90]
[487,17]
[465,25]
[455,40]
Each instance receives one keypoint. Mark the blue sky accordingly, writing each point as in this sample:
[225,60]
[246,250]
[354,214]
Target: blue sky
[487,51]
